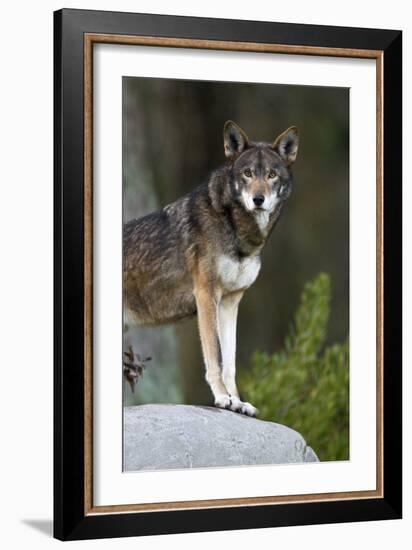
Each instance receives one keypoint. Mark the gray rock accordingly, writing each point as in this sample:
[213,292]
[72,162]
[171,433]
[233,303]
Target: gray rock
[163,437]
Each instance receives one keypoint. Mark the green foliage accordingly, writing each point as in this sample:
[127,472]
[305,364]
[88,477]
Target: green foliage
[306,386]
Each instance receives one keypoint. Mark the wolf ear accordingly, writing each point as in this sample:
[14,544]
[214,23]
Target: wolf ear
[286,145]
[234,138]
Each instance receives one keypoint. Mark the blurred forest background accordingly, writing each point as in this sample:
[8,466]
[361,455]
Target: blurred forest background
[172,140]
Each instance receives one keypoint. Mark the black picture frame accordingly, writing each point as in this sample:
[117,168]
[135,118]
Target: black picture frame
[71,521]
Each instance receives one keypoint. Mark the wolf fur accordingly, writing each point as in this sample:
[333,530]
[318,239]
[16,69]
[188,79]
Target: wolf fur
[199,254]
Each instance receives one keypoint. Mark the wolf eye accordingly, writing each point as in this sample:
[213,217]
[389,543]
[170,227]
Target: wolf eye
[272,175]
[247,173]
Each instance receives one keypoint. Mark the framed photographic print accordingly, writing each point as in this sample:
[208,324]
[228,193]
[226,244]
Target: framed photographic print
[227,274]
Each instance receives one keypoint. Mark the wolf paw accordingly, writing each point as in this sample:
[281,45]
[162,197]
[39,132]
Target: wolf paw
[223,401]
[242,407]
[235,404]
[249,410]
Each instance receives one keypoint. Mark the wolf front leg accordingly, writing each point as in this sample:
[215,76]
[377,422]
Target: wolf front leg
[228,309]
[207,313]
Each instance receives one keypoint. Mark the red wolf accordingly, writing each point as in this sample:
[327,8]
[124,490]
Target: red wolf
[198,255]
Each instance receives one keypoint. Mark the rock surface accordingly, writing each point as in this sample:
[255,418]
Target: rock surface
[163,437]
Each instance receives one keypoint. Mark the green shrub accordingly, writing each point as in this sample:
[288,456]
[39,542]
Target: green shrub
[306,386]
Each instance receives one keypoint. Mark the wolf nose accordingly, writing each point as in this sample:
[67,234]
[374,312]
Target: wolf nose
[258,200]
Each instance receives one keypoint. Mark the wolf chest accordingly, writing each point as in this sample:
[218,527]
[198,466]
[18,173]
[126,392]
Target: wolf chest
[237,274]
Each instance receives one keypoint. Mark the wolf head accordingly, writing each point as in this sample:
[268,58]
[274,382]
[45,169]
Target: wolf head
[261,175]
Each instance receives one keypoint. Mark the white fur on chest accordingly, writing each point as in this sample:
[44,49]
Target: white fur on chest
[237,275]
